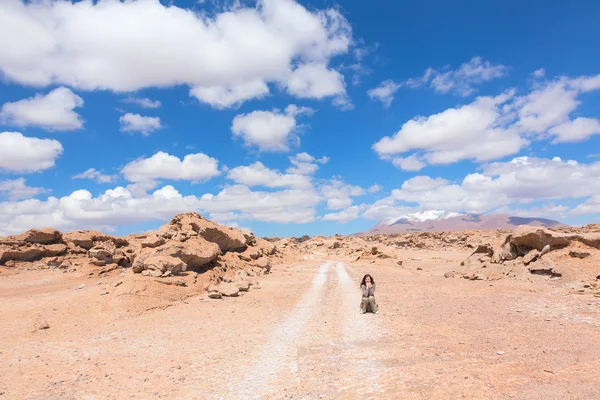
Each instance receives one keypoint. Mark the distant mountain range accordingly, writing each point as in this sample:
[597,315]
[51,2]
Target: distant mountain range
[442,220]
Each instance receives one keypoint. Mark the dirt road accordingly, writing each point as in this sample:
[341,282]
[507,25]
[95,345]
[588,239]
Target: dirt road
[301,337]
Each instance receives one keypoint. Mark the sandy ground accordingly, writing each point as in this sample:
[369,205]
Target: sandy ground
[300,336]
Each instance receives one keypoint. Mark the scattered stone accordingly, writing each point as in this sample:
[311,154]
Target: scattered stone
[578,254]
[214,295]
[545,250]
[43,324]
[449,274]
[500,352]
[531,256]
[228,289]
[82,286]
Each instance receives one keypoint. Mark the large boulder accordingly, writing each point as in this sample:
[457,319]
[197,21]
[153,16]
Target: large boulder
[160,265]
[30,253]
[225,237]
[41,236]
[88,239]
[195,253]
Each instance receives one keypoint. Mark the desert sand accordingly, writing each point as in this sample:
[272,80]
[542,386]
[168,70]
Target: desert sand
[461,316]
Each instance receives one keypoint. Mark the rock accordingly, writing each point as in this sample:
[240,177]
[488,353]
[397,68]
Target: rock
[449,274]
[243,286]
[226,238]
[531,257]
[374,250]
[484,249]
[194,252]
[264,264]
[228,289]
[43,324]
[102,253]
[41,236]
[578,254]
[336,245]
[399,263]
[161,264]
[29,253]
[214,295]
[153,241]
[87,239]
[545,250]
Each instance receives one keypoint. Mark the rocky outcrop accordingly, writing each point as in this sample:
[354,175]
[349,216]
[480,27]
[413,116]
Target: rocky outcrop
[41,236]
[30,252]
[187,225]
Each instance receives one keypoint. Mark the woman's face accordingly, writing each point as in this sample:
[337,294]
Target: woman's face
[368,279]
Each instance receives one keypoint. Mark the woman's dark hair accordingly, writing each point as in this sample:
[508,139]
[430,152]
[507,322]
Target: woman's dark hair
[365,277]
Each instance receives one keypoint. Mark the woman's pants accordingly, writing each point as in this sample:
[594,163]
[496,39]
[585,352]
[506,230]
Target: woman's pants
[368,303]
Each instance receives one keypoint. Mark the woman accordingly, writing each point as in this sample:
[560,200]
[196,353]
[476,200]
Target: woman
[368,295]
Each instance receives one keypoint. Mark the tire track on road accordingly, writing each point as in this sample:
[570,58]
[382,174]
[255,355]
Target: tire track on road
[279,355]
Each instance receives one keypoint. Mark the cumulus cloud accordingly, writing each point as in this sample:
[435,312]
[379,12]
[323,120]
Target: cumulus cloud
[143,102]
[285,206]
[269,130]
[349,214]
[490,128]
[94,175]
[385,92]
[501,186]
[410,163]
[17,189]
[20,153]
[156,45]
[259,175]
[374,188]
[194,167]
[471,131]
[137,123]
[53,112]
[234,95]
[305,164]
[339,194]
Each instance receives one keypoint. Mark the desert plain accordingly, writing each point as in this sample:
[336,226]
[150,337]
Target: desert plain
[196,310]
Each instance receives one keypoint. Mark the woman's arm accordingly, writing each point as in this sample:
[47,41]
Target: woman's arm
[373,289]
[365,291]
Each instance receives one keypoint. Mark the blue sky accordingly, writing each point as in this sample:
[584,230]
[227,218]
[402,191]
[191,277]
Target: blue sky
[293,118]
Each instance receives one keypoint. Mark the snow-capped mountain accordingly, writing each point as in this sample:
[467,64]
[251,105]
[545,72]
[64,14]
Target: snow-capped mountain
[425,216]
[444,220]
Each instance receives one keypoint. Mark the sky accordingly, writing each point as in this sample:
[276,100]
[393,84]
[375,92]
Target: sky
[290,118]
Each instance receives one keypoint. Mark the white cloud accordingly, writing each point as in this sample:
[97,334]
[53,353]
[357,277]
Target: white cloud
[17,189]
[494,127]
[385,92]
[471,131]
[539,73]
[97,176]
[156,45]
[221,97]
[305,164]
[577,130]
[315,80]
[410,163]
[194,167]
[259,175]
[291,205]
[349,214]
[374,188]
[339,194]
[137,123]
[79,210]
[20,153]
[269,130]
[53,112]
[143,102]
[501,186]
[461,80]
